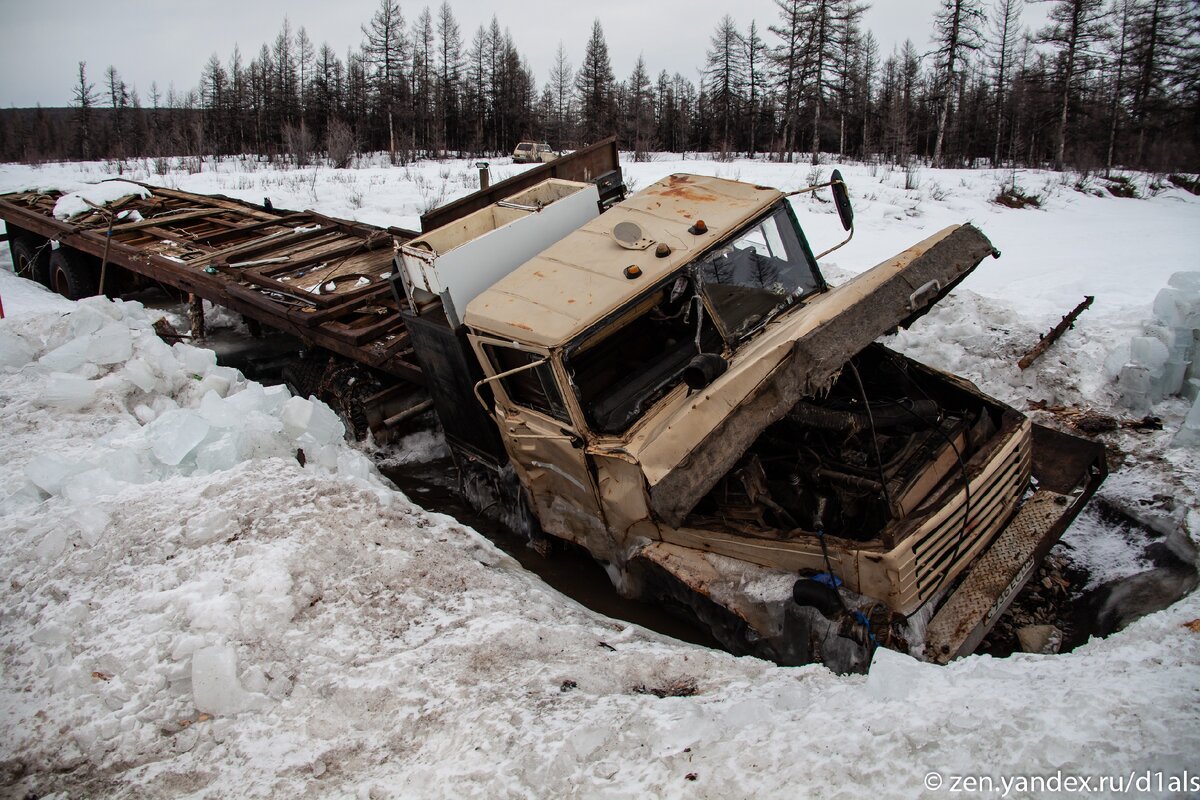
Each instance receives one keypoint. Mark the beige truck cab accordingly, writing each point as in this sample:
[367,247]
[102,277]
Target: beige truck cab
[532,153]
[679,392]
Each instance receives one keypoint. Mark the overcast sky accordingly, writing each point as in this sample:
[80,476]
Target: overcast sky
[169,41]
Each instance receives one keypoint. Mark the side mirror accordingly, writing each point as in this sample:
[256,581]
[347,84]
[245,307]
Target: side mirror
[841,200]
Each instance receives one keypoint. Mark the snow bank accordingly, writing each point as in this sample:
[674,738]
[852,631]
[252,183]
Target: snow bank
[180,592]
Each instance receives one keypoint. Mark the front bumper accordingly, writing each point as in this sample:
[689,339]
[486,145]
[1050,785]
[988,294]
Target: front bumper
[1068,470]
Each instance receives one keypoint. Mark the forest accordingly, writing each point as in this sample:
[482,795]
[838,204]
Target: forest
[1103,84]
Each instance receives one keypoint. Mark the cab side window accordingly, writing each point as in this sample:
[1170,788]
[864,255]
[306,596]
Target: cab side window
[534,387]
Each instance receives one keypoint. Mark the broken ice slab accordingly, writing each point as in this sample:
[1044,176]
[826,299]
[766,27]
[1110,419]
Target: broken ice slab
[1183,343]
[68,357]
[255,397]
[1118,358]
[218,412]
[1188,281]
[311,417]
[141,375]
[217,384]
[86,318]
[351,463]
[92,522]
[1178,308]
[68,392]
[1189,432]
[218,455]
[1135,386]
[49,473]
[1148,352]
[1191,388]
[1172,380]
[14,351]
[194,360]
[215,685]
[109,345]
[91,484]
[174,434]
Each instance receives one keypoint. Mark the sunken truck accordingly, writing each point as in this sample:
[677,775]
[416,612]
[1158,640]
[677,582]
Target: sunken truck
[665,380]
[676,389]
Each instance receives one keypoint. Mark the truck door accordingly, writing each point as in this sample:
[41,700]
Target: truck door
[547,451]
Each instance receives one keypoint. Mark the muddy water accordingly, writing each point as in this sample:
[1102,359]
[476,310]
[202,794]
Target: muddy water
[434,486]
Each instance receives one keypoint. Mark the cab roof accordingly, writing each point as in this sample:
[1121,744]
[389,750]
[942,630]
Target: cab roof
[573,284]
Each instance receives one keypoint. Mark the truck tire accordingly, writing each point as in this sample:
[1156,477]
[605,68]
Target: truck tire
[31,258]
[72,274]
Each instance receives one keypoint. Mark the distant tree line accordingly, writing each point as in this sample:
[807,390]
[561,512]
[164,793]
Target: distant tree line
[1103,83]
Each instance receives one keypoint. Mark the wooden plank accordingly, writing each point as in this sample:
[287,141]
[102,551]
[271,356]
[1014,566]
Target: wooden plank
[289,221]
[358,335]
[347,250]
[250,250]
[342,309]
[148,223]
[215,202]
[397,345]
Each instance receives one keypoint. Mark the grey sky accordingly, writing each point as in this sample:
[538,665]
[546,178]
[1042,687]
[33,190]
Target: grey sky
[169,41]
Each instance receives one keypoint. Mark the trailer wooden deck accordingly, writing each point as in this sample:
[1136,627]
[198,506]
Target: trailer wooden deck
[316,277]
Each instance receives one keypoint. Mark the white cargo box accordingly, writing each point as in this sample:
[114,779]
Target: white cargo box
[457,262]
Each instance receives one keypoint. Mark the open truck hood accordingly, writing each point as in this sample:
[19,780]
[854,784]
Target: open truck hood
[798,357]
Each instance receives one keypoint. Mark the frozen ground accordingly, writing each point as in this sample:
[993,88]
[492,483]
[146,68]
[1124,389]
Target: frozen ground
[189,611]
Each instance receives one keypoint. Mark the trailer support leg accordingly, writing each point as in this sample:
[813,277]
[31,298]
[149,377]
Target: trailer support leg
[196,316]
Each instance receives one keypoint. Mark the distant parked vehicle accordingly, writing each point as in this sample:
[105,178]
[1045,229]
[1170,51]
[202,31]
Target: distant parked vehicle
[533,153]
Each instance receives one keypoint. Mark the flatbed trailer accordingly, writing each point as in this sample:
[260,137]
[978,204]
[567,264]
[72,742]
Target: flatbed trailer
[324,280]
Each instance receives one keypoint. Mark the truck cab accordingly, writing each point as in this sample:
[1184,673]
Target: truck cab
[680,392]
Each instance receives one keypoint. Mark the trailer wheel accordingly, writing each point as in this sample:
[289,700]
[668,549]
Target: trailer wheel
[31,259]
[347,390]
[71,274]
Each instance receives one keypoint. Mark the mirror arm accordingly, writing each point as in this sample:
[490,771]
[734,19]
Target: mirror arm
[843,243]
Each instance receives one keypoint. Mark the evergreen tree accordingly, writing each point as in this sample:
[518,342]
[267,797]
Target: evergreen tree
[385,52]
[724,79]
[594,82]
[957,32]
[83,101]
[1075,26]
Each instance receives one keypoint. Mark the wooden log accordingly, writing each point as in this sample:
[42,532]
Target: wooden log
[1058,330]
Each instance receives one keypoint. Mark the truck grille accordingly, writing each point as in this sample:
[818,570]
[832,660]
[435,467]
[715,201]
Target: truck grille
[941,550]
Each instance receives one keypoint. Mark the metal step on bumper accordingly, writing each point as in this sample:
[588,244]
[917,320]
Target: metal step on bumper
[998,576]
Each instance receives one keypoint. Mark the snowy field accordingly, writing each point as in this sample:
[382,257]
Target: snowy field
[189,611]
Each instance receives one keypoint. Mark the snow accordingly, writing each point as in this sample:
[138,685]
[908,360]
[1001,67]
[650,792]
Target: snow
[83,200]
[188,610]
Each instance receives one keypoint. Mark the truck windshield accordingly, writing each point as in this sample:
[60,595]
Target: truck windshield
[760,272]
[640,356]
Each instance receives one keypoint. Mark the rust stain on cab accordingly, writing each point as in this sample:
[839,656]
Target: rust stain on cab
[681,186]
